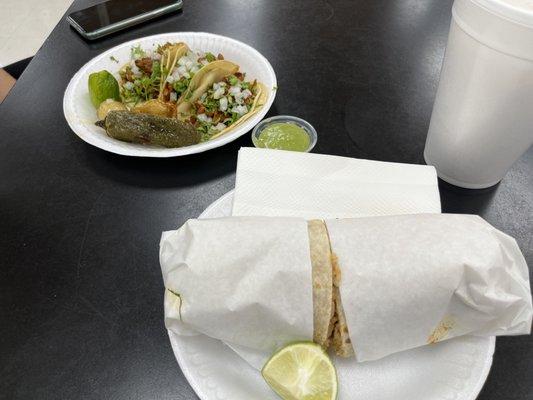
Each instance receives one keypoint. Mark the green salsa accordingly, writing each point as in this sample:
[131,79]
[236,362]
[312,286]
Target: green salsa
[284,136]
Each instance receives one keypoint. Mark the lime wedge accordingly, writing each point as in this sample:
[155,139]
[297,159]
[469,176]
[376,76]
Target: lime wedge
[103,86]
[301,371]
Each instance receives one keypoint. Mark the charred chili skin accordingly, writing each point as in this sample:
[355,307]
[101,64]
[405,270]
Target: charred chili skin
[149,129]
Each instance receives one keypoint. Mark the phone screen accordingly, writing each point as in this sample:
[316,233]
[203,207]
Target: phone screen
[113,11]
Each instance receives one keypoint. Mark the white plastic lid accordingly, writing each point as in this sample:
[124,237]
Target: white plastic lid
[510,33]
[520,11]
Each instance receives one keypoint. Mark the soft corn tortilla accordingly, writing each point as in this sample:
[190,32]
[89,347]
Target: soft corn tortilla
[341,336]
[322,275]
[203,80]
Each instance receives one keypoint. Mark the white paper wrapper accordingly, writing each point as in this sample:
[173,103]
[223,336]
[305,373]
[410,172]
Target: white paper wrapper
[406,281]
[245,281]
[286,183]
[411,280]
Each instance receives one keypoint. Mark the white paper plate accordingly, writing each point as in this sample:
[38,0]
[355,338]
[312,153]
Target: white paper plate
[452,370]
[81,115]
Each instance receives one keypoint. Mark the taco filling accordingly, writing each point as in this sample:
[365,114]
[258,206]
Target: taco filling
[163,74]
[223,104]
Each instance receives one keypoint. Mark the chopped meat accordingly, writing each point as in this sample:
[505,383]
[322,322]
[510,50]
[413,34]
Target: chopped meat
[145,64]
[220,57]
[129,75]
[166,92]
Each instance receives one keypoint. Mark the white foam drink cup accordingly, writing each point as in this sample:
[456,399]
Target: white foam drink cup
[482,119]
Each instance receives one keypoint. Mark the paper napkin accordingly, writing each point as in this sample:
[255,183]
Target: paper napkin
[284,183]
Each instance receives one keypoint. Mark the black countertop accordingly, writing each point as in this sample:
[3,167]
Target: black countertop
[80,284]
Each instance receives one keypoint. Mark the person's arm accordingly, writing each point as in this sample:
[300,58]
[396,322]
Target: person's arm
[6,83]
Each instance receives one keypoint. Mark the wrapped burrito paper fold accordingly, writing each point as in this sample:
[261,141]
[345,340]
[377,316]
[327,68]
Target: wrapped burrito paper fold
[383,285]
[246,281]
[408,281]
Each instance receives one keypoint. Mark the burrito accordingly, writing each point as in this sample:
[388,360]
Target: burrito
[365,287]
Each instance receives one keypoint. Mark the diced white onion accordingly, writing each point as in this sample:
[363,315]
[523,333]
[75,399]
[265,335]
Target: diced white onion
[183,60]
[220,126]
[170,79]
[189,64]
[223,104]
[203,97]
[241,110]
[246,93]
[135,70]
[234,90]
[204,118]
[181,70]
[238,98]
[128,85]
[187,75]
[218,93]
[173,96]
[195,69]
[156,56]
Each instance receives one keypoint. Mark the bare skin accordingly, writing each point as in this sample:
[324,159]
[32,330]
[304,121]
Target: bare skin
[6,83]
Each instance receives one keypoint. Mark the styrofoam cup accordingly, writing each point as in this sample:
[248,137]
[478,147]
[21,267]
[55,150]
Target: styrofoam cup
[482,119]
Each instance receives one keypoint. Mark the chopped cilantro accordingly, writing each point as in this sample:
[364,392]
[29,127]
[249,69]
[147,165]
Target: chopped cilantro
[233,80]
[137,52]
[181,85]
[210,57]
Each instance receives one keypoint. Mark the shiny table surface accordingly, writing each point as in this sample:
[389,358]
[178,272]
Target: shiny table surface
[80,285]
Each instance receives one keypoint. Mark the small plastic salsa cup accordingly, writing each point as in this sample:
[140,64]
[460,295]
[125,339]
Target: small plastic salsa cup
[284,132]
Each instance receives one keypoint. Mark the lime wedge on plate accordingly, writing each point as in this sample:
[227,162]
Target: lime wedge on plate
[103,86]
[301,371]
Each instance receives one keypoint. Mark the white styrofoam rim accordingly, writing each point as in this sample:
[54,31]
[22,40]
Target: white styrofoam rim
[170,152]
[508,11]
[198,389]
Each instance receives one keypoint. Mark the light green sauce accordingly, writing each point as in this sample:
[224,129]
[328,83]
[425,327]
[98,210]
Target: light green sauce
[284,136]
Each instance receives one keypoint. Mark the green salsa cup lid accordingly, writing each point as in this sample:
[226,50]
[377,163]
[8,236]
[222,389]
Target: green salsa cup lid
[284,132]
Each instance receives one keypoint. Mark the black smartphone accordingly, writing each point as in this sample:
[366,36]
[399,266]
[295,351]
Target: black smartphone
[114,15]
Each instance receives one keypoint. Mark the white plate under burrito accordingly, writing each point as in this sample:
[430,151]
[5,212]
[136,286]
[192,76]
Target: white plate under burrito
[454,369]
[81,115]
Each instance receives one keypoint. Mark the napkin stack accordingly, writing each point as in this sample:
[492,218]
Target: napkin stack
[284,183]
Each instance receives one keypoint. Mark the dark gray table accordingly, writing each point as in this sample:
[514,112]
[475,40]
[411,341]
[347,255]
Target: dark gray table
[81,311]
